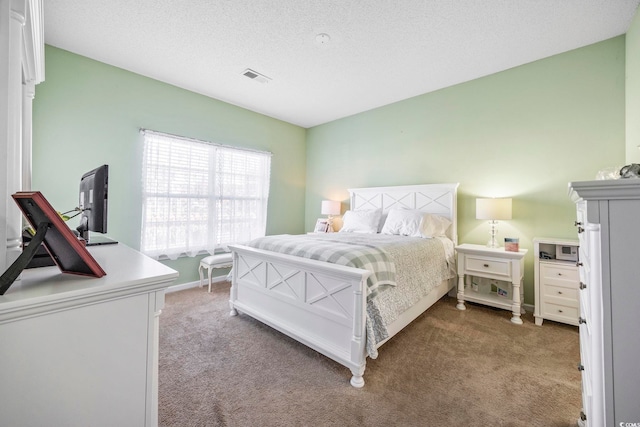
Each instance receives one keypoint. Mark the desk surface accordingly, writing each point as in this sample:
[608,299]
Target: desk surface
[128,271]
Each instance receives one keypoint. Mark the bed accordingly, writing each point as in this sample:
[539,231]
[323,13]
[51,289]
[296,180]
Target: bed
[328,306]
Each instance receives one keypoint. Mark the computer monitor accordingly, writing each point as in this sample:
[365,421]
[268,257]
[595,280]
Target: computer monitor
[94,204]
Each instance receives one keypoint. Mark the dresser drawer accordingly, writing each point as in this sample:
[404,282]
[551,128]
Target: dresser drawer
[584,271]
[585,312]
[587,368]
[488,266]
[583,237]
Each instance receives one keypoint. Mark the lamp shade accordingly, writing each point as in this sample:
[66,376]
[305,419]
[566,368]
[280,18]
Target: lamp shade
[493,209]
[330,207]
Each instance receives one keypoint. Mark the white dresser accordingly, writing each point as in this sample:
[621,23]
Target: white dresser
[608,222]
[77,351]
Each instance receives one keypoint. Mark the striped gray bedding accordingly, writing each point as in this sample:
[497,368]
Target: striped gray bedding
[344,249]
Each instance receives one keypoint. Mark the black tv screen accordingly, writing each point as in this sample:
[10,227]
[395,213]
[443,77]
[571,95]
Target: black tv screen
[94,201]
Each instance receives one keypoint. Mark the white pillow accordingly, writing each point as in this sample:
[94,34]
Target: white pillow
[361,221]
[403,222]
[434,225]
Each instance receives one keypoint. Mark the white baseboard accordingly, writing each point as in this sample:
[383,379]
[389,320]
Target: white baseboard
[189,285]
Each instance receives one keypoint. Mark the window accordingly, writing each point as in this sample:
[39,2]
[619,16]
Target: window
[198,196]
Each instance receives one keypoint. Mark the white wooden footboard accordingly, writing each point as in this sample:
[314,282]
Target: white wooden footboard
[319,304]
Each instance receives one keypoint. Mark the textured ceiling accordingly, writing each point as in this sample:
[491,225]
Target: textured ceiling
[380,51]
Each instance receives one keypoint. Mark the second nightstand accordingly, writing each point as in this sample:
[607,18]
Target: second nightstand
[557,282]
[491,263]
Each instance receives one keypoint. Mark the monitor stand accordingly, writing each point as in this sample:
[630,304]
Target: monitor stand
[97,240]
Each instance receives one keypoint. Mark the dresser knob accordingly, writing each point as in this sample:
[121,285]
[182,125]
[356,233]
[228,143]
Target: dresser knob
[576,223]
[486,265]
[580,230]
[579,264]
[559,292]
[583,285]
[580,367]
[583,416]
[582,320]
[559,311]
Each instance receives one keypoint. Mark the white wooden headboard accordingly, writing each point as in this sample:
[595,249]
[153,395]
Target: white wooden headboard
[439,199]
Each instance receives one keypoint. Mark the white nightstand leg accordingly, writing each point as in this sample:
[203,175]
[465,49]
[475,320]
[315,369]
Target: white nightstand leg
[516,307]
[460,305]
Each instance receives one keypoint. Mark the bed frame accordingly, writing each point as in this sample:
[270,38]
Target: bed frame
[323,305]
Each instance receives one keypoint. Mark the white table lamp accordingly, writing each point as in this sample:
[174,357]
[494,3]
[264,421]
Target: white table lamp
[330,208]
[493,210]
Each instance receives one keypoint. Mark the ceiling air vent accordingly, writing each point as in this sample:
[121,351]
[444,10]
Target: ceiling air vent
[254,75]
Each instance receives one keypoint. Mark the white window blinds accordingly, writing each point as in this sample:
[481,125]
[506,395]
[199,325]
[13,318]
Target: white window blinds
[198,196]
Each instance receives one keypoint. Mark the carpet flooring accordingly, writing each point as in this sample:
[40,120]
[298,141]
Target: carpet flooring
[448,368]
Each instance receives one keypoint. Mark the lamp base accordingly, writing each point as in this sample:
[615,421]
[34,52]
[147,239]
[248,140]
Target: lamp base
[493,231]
[493,244]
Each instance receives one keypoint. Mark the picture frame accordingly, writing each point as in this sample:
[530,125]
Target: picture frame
[66,250]
[512,244]
[322,225]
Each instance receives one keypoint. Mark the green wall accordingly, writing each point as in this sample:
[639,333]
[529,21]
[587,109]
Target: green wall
[522,133]
[87,113]
[633,91]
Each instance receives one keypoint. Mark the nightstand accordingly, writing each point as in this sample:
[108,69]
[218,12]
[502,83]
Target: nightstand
[502,269]
[557,281]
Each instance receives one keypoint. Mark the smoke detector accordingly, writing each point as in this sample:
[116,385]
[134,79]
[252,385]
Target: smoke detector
[254,75]
[323,39]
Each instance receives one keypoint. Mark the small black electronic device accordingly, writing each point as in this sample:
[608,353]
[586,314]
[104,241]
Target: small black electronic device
[545,255]
[93,205]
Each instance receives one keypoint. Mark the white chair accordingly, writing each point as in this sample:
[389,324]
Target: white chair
[214,261]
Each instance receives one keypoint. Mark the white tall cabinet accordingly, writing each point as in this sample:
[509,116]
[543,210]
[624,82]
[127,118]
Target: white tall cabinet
[78,351]
[608,222]
[21,68]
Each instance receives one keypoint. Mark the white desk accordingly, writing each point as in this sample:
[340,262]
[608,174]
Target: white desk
[78,351]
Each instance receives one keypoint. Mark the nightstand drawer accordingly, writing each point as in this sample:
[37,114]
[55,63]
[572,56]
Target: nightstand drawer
[557,311]
[560,295]
[558,274]
[486,265]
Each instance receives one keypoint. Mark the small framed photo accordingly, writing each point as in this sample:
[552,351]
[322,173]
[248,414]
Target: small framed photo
[322,226]
[511,244]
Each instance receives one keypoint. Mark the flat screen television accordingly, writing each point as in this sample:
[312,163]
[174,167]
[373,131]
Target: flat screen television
[94,197]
